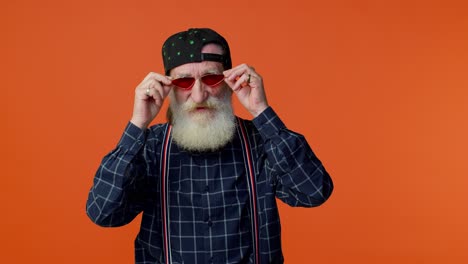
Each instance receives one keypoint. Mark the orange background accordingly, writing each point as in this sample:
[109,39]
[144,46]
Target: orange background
[379,88]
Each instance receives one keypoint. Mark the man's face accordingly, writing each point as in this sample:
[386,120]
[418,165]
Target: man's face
[202,116]
[200,93]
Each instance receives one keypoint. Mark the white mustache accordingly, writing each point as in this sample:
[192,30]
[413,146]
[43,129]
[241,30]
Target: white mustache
[211,103]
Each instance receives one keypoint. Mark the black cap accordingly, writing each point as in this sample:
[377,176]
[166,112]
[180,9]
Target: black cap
[185,47]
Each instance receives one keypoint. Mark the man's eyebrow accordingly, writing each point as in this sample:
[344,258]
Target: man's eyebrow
[183,75]
[211,71]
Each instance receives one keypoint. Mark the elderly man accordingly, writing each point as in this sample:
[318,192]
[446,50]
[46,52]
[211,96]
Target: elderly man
[206,181]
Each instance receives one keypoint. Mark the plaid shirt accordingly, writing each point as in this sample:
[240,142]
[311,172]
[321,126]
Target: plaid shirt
[210,218]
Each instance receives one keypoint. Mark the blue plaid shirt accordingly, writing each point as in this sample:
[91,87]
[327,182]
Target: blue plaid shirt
[210,217]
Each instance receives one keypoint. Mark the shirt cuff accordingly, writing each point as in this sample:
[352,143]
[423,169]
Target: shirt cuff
[268,123]
[133,138]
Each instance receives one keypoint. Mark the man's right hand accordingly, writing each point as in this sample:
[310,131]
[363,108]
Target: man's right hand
[149,98]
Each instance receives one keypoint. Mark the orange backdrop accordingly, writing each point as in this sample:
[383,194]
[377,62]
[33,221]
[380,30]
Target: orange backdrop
[379,88]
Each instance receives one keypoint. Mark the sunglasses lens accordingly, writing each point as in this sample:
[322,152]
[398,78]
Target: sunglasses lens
[212,79]
[185,83]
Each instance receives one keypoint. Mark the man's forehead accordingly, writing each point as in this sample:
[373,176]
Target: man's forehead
[212,48]
[197,68]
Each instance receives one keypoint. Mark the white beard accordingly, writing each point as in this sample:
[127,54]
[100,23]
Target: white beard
[206,130]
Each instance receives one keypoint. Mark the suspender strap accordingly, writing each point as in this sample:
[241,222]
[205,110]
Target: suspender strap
[250,172]
[164,192]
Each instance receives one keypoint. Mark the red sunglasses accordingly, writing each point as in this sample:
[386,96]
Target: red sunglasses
[187,83]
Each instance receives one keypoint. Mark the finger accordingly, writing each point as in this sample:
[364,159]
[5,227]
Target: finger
[149,76]
[234,74]
[241,82]
[229,83]
[163,87]
[166,80]
[153,93]
[158,77]
[240,66]
[239,71]
[144,90]
[161,90]
[162,80]
[145,84]
[231,72]
[146,93]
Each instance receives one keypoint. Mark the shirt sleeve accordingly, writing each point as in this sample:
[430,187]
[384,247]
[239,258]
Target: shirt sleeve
[300,178]
[115,198]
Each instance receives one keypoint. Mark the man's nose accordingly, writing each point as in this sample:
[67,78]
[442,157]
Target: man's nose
[199,92]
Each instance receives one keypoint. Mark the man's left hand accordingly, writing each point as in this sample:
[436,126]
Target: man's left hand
[248,86]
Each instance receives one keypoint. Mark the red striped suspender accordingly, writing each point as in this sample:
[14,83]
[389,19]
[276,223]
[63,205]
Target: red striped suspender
[164,194]
[253,190]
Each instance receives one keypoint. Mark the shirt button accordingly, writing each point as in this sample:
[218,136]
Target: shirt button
[207,188]
[209,223]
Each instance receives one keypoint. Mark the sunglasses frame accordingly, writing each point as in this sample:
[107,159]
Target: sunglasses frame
[201,79]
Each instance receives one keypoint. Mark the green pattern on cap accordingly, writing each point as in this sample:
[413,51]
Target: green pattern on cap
[185,47]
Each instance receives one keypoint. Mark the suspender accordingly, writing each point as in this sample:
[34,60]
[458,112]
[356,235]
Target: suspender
[164,192]
[249,169]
